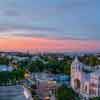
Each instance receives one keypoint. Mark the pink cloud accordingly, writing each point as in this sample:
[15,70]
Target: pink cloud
[46,44]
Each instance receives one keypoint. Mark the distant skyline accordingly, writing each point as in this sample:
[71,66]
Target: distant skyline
[50,25]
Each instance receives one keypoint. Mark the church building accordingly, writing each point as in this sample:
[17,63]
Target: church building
[85,80]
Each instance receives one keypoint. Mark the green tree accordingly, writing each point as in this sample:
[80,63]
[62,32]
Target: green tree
[97,98]
[65,93]
[36,66]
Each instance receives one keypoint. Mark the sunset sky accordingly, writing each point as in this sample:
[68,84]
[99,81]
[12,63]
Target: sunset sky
[50,25]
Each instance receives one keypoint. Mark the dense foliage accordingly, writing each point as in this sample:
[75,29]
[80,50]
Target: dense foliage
[66,93]
[53,66]
[4,60]
[12,77]
[36,66]
[90,60]
[97,98]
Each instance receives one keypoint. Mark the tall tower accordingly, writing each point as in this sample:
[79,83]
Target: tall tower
[76,74]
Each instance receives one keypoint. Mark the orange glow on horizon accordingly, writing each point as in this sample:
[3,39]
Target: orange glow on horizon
[20,43]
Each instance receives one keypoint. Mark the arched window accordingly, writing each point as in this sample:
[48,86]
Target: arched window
[86,88]
[77,84]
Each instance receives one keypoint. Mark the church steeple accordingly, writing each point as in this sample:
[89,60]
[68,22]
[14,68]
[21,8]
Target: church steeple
[76,65]
[76,61]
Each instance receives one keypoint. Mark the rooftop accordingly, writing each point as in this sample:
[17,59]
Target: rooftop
[5,68]
[16,92]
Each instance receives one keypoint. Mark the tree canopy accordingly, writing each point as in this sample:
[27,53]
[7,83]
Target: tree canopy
[97,98]
[66,93]
[11,77]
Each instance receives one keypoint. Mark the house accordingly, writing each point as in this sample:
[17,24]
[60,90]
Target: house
[62,78]
[15,92]
[5,68]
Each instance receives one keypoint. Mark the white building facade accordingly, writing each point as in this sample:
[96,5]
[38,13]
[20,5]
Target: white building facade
[85,80]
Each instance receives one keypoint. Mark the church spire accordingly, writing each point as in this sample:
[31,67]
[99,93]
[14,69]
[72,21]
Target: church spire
[76,61]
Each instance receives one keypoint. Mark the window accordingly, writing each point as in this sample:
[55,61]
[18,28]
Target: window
[92,92]
[86,88]
[93,85]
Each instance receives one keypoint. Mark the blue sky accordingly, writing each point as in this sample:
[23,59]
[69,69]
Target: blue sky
[77,19]
[50,25]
